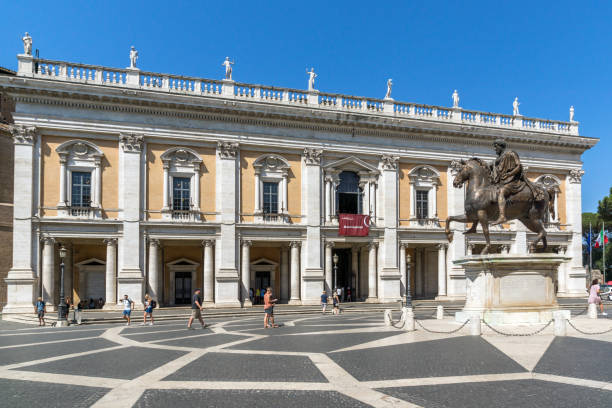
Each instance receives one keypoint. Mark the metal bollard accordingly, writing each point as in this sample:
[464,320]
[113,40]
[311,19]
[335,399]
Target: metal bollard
[592,311]
[388,317]
[440,312]
[408,318]
[475,329]
[560,324]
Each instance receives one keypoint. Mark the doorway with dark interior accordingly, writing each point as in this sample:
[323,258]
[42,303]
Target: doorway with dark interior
[182,288]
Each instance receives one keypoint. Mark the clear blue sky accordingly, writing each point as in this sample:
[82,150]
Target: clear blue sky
[549,54]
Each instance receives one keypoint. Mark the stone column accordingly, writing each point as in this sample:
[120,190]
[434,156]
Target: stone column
[227,246]
[419,281]
[329,245]
[166,189]
[284,274]
[62,189]
[355,270]
[209,277]
[97,202]
[295,273]
[402,268]
[313,276]
[48,271]
[327,199]
[246,273]
[130,279]
[455,287]
[389,289]
[111,273]
[68,272]
[21,279]
[257,192]
[372,255]
[576,273]
[154,291]
[196,187]
[441,270]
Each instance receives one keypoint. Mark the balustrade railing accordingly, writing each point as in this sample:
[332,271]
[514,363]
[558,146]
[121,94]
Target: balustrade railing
[83,73]
[81,212]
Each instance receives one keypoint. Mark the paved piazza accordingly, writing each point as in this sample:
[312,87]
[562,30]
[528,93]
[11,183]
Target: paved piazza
[311,360]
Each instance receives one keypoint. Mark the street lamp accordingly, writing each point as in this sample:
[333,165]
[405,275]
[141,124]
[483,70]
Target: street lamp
[335,259]
[61,308]
[408,273]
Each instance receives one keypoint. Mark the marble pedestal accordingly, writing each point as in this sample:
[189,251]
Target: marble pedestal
[510,289]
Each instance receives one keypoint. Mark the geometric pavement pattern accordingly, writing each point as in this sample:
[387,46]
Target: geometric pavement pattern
[339,361]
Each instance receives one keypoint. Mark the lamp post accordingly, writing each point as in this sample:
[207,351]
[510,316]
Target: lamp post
[335,259]
[408,273]
[61,308]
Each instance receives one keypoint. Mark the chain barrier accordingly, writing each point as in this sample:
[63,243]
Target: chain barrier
[442,332]
[583,312]
[540,330]
[589,333]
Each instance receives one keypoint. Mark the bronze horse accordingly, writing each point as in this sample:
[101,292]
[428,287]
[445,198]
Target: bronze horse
[481,203]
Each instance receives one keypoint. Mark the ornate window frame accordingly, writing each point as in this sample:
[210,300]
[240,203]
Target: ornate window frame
[551,181]
[368,183]
[181,162]
[80,156]
[424,178]
[275,169]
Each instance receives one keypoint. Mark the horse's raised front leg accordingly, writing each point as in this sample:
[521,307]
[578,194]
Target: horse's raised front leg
[484,221]
[457,218]
[536,225]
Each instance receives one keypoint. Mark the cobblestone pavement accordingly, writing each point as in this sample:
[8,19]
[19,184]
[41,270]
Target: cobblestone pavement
[310,361]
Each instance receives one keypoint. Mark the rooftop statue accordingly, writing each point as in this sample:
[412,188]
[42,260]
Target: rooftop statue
[500,191]
[311,79]
[389,86]
[228,68]
[515,107]
[572,113]
[27,44]
[455,99]
[133,57]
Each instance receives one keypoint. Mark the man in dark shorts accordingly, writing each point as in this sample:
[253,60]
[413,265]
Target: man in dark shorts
[196,310]
[269,309]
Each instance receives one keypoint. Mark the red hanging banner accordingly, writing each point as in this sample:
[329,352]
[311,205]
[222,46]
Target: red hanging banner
[354,225]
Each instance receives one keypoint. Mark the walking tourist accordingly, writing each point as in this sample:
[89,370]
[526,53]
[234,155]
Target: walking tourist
[252,295]
[76,318]
[127,308]
[262,293]
[68,304]
[196,310]
[336,303]
[40,310]
[269,309]
[349,298]
[148,311]
[324,301]
[594,296]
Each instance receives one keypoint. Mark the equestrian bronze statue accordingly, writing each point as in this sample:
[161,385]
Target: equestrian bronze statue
[501,192]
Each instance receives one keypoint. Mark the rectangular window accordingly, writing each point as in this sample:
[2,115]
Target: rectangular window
[270,198]
[181,193]
[422,204]
[81,189]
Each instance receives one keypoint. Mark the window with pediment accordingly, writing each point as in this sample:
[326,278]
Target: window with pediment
[424,182]
[181,189]
[271,178]
[551,183]
[80,179]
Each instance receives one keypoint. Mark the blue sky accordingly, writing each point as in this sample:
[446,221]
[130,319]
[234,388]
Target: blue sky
[549,54]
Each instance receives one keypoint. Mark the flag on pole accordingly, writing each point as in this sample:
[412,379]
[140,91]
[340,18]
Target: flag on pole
[602,239]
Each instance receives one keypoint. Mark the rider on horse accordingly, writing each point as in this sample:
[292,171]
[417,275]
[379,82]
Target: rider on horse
[507,173]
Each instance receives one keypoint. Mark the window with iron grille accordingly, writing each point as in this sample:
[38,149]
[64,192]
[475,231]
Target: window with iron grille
[270,198]
[181,193]
[422,204]
[81,189]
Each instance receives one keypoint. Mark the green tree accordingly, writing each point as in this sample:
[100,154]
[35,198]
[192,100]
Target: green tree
[604,209]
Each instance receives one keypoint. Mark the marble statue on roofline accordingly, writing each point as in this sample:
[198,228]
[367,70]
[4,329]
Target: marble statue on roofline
[515,107]
[572,113]
[133,57]
[311,79]
[27,44]
[455,99]
[389,88]
[228,68]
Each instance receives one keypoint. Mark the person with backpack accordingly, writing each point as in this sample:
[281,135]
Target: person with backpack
[40,309]
[148,311]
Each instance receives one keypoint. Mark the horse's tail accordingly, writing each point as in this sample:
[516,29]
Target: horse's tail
[551,202]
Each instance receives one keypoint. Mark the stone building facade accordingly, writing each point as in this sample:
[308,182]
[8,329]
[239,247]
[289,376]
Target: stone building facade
[160,184]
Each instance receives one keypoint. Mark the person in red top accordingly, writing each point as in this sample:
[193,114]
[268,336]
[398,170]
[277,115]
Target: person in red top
[269,309]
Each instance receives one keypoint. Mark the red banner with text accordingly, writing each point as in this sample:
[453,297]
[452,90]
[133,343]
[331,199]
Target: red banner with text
[354,225]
